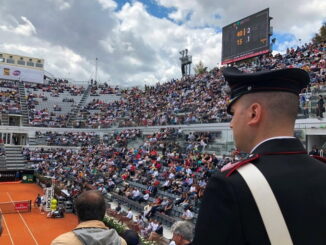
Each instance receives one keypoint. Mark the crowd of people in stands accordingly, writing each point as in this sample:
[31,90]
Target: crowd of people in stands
[168,164]
[56,87]
[200,98]
[98,89]
[47,117]
[173,176]
[9,97]
[160,164]
[69,138]
[195,99]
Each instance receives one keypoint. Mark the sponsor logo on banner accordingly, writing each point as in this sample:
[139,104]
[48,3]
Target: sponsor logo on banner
[21,206]
[6,71]
[16,73]
[48,198]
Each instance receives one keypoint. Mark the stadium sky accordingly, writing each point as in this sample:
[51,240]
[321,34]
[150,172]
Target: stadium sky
[138,42]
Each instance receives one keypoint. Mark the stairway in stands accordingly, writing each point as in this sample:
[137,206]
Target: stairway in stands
[76,110]
[14,158]
[2,162]
[23,104]
[2,157]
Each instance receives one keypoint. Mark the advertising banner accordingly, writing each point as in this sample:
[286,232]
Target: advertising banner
[48,197]
[28,178]
[21,73]
[23,206]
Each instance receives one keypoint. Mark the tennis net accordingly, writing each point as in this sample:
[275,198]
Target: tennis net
[16,207]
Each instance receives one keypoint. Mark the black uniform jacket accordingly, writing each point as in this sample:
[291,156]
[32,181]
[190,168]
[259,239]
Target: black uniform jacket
[229,215]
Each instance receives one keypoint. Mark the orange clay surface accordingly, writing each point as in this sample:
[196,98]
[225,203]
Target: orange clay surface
[34,227]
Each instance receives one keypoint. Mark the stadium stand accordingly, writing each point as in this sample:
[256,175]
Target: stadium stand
[9,97]
[174,179]
[165,171]
[50,105]
[193,99]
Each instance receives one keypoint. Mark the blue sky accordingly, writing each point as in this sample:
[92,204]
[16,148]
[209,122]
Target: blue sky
[152,7]
[281,38]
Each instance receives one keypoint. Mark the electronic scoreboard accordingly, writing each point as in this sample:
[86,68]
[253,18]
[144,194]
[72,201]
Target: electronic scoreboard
[246,38]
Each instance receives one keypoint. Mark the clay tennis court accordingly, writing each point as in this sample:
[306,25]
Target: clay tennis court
[33,227]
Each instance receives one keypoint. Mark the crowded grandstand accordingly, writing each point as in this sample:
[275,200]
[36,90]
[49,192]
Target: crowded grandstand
[162,174]
[150,151]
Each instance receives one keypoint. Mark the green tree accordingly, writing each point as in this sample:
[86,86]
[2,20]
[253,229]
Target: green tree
[200,68]
[321,36]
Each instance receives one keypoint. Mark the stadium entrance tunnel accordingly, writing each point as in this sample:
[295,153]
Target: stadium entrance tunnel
[14,138]
[316,141]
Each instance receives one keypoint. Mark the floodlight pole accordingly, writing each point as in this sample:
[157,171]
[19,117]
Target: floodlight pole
[186,61]
[96,69]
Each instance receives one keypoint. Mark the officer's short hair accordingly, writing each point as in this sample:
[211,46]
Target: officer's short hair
[279,104]
[184,229]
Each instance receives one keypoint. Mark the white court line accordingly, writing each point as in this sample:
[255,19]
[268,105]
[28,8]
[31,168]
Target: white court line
[4,221]
[30,232]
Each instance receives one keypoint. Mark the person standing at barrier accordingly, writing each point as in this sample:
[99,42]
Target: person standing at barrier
[38,200]
[42,204]
[91,208]
[320,107]
[277,195]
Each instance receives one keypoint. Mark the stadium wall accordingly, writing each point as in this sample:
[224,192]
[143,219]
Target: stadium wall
[22,74]
[309,131]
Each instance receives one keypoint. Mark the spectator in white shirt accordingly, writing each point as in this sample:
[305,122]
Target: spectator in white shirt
[187,214]
[130,215]
[135,194]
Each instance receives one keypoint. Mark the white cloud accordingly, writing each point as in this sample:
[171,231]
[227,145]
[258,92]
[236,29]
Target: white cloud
[287,16]
[107,4]
[24,29]
[167,39]
[132,45]
[62,4]
[60,61]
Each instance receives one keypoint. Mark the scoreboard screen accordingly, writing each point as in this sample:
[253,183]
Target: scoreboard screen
[246,38]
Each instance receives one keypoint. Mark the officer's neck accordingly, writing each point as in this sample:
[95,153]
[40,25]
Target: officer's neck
[270,132]
[272,138]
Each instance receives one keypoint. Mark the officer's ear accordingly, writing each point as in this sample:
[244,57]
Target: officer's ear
[255,114]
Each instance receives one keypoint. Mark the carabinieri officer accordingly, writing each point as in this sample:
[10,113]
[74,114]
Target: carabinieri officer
[277,195]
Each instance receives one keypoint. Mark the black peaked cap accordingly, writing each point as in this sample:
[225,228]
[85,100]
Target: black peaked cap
[291,80]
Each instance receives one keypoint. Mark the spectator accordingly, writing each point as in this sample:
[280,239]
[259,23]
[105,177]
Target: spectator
[320,107]
[314,151]
[183,232]
[38,200]
[157,235]
[90,208]
[168,208]
[187,214]
[118,208]
[147,210]
[130,214]
[131,237]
